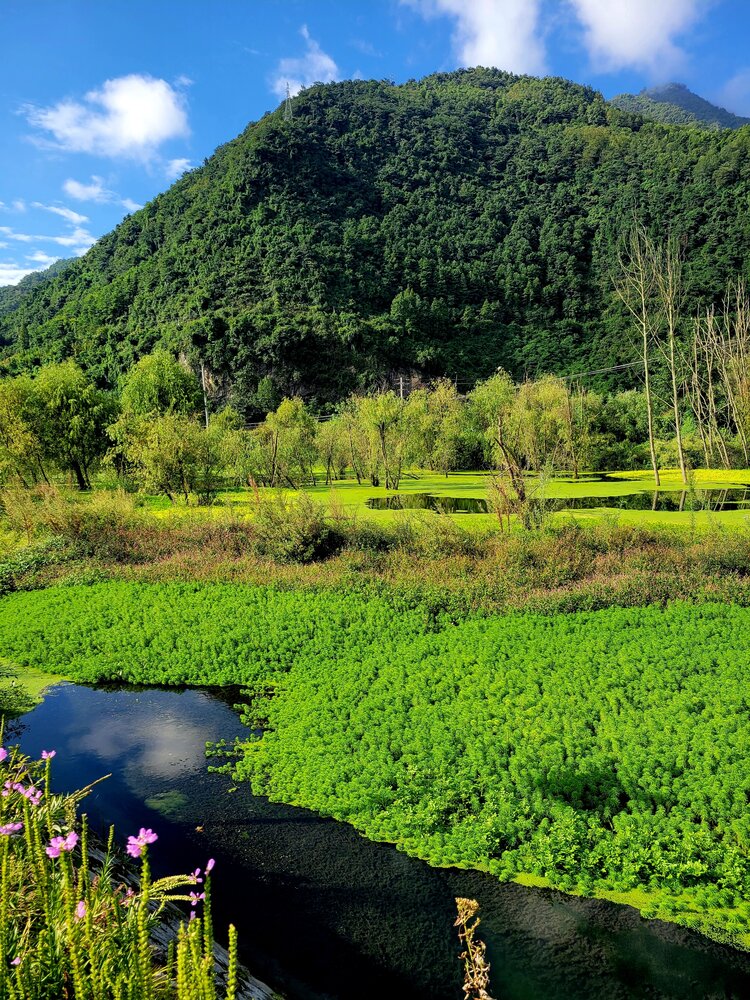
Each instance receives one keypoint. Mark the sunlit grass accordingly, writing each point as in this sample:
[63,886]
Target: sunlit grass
[351,498]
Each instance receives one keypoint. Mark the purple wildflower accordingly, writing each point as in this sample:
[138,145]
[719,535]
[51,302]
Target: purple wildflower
[195,876]
[196,897]
[34,795]
[58,844]
[136,844]
[48,754]
[15,961]
[3,754]
[210,866]
[10,828]
[80,910]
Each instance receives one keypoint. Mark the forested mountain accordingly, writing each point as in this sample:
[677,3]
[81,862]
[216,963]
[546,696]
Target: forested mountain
[446,226]
[675,104]
[11,296]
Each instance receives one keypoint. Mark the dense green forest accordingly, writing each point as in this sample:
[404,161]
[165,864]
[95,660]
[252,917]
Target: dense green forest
[449,225]
[675,104]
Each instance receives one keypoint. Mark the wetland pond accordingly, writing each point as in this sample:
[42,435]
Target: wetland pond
[659,500]
[323,913]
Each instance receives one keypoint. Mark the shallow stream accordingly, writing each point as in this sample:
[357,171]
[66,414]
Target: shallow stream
[323,913]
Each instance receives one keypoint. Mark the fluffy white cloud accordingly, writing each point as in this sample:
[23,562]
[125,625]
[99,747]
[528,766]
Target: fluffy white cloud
[130,205]
[636,33]
[65,213]
[501,33]
[42,258]
[315,66]
[95,191]
[175,168]
[11,274]
[128,116]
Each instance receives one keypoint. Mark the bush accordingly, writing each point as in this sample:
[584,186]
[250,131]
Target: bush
[99,527]
[292,530]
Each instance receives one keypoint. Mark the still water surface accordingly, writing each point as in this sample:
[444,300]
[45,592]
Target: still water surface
[659,500]
[324,914]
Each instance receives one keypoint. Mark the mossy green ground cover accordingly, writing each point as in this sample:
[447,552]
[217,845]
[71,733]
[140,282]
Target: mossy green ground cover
[604,752]
[351,497]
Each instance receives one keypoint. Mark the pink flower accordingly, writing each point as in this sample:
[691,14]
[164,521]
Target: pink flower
[10,828]
[15,961]
[58,844]
[3,754]
[195,875]
[196,897]
[48,754]
[80,910]
[210,866]
[136,844]
[34,795]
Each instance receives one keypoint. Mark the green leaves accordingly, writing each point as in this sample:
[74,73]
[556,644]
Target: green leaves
[608,748]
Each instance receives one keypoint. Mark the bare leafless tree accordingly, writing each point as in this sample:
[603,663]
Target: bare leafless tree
[635,284]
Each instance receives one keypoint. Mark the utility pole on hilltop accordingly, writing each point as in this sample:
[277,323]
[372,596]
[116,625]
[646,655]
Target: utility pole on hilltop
[288,114]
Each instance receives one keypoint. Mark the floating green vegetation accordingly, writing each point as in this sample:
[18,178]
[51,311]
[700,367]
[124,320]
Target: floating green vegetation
[604,752]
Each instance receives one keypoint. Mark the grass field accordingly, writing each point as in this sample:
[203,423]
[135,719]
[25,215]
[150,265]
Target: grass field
[351,498]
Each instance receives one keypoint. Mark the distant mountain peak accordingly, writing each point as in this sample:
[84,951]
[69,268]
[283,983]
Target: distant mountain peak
[676,104]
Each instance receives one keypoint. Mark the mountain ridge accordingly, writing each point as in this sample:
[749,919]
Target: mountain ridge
[676,104]
[448,225]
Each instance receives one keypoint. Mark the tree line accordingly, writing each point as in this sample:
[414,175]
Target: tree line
[156,432]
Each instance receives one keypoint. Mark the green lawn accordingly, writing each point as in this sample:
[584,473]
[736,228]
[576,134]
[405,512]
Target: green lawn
[352,498]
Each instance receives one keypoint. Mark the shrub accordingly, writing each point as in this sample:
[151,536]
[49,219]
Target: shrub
[99,527]
[292,530]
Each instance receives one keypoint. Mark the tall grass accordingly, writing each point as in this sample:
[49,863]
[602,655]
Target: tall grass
[72,928]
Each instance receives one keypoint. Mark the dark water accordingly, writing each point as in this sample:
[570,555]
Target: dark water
[680,500]
[324,913]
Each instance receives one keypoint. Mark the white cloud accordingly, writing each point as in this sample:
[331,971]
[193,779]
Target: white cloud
[315,66]
[19,205]
[129,116]
[501,33]
[95,191]
[78,240]
[735,94]
[11,274]
[636,33]
[11,234]
[40,257]
[65,213]
[175,168]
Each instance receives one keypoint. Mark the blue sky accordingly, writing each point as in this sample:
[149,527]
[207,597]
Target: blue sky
[104,102]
